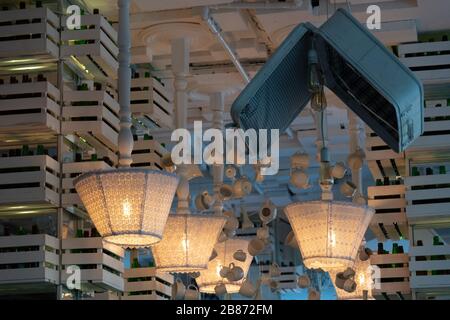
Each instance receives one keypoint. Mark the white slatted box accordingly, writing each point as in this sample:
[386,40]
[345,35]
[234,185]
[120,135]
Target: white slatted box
[147,284]
[152,100]
[430,281]
[287,281]
[389,221]
[29,180]
[94,47]
[100,269]
[28,108]
[98,117]
[391,290]
[436,198]
[39,38]
[32,258]
[147,154]
[427,56]
[382,160]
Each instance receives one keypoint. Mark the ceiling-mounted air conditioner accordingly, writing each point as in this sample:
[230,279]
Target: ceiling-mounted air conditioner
[357,67]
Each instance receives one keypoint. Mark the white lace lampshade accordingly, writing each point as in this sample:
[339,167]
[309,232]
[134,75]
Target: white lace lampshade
[210,277]
[328,233]
[128,206]
[187,242]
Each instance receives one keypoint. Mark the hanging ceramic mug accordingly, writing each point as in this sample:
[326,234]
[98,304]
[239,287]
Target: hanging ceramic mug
[300,160]
[240,255]
[359,199]
[338,171]
[348,189]
[232,223]
[299,179]
[225,191]
[355,160]
[230,171]
[192,293]
[340,280]
[220,289]
[303,281]
[263,233]
[313,294]
[365,254]
[256,246]
[273,285]
[204,201]
[178,290]
[224,271]
[348,273]
[236,273]
[349,285]
[268,212]
[242,187]
[274,270]
[247,289]
[290,240]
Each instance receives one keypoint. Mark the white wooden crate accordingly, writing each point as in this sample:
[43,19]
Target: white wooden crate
[38,39]
[147,284]
[287,281]
[147,154]
[152,100]
[98,117]
[29,108]
[32,258]
[29,180]
[438,189]
[389,221]
[426,56]
[101,263]
[381,159]
[436,129]
[95,47]
[391,290]
[70,171]
[430,281]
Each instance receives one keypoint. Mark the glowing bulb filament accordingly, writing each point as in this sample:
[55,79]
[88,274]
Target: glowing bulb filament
[126,209]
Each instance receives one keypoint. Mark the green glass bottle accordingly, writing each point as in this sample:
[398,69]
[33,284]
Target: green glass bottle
[135,263]
[415,172]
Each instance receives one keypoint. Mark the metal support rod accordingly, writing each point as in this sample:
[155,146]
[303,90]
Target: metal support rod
[217,31]
[355,129]
[217,101]
[125,134]
[296,4]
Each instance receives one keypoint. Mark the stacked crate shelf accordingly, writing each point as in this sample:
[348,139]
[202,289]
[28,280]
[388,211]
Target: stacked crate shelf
[31,33]
[287,281]
[30,180]
[428,60]
[430,268]
[101,263]
[93,115]
[147,154]
[151,101]
[390,221]
[382,160]
[28,260]
[92,48]
[436,134]
[391,275]
[147,284]
[30,111]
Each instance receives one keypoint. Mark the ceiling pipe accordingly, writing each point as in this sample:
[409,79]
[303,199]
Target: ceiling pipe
[296,4]
[217,31]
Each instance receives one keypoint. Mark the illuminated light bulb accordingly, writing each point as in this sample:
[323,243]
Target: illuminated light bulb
[126,208]
[319,101]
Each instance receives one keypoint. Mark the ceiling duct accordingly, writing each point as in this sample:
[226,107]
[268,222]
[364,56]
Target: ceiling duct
[367,77]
